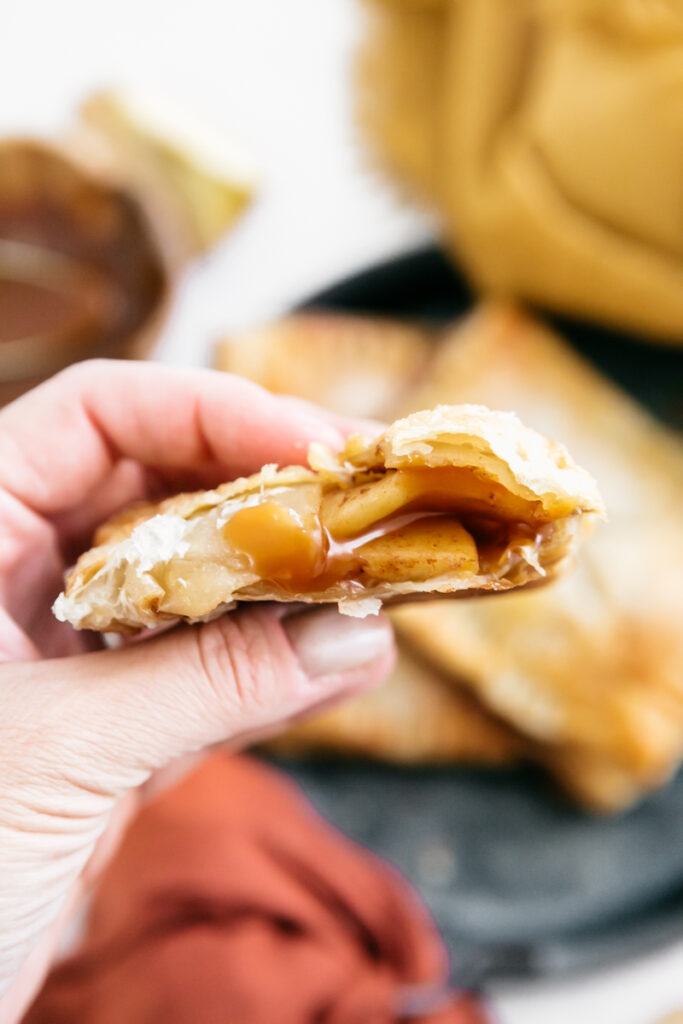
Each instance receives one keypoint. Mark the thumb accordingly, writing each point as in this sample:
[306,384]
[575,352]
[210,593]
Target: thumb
[108,719]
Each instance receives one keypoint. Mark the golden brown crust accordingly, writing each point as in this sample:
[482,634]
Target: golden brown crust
[356,365]
[187,558]
[588,670]
[591,668]
[415,717]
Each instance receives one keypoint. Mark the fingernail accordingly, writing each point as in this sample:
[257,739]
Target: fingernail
[328,643]
[323,433]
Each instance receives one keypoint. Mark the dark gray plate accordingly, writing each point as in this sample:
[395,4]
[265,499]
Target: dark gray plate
[520,883]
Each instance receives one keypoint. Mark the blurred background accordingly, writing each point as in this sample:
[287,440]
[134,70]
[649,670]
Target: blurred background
[411,159]
[273,79]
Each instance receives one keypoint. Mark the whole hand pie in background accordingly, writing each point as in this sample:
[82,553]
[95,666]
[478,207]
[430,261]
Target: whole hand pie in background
[415,717]
[451,501]
[589,670]
[548,135]
[362,366]
[592,669]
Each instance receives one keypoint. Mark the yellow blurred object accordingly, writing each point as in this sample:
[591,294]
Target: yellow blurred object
[163,155]
[400,79]
[549,135]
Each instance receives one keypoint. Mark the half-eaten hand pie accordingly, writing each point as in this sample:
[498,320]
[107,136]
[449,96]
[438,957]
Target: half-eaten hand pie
[454,500]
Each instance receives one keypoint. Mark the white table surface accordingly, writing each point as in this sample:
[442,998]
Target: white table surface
[273,75]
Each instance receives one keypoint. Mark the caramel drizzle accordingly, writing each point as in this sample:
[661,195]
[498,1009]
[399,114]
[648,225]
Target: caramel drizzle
[280,548]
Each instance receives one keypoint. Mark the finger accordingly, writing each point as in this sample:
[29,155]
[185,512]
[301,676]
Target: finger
[172,773]
[345,424]
[30,977]
[31,566]
[14,644]
[260,736]
[31,576]
[110,718]
[98,725]
[63,438]
[127,482]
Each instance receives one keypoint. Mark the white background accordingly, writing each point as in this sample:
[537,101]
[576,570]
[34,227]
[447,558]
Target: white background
[274,76]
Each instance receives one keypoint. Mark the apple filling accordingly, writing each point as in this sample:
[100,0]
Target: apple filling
[407,525]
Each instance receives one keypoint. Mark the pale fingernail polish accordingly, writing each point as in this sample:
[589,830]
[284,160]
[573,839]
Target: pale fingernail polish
[329,644]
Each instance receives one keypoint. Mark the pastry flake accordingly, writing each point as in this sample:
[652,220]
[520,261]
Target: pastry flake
[455,500]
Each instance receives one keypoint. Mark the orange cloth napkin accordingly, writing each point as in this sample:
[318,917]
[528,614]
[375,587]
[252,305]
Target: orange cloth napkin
[231,901]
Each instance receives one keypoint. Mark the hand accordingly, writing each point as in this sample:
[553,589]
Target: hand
[83,730]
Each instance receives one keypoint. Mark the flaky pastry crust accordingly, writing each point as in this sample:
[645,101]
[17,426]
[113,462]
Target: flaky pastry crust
[357,365]
[453,500]
[590,670]
[415,717]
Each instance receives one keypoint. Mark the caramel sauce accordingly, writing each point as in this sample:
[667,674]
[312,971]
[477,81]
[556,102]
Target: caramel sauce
[495,537]
[281,548]
[300,555]
[98,228]
[29,310]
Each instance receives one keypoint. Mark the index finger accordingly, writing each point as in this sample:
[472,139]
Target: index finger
[63,438]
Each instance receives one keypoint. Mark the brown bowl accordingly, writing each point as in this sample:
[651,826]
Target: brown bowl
[81,271]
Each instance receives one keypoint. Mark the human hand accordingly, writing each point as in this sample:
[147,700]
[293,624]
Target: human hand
[82,730]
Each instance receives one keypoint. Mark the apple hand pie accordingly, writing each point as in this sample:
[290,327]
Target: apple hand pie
[590,670]
[457,499]
[415,717]
[356,365]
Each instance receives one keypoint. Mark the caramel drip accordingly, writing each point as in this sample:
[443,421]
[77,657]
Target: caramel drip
[301,555]
[303,558]
[281,548]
